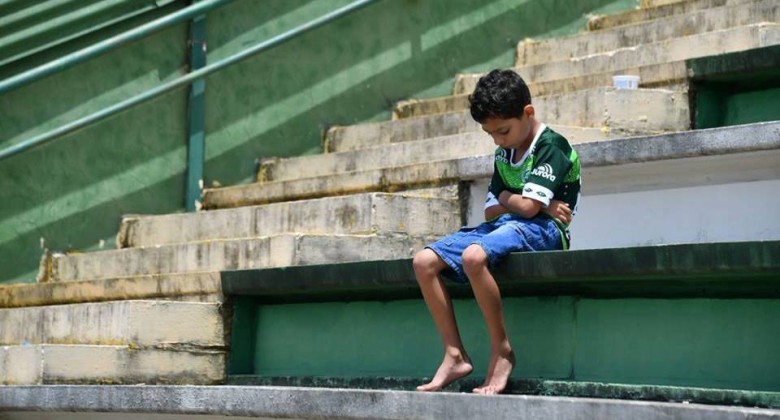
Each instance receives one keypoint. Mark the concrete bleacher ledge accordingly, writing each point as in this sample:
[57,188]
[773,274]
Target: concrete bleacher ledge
[136,402]
[746,274]
[735,269]
[760,137]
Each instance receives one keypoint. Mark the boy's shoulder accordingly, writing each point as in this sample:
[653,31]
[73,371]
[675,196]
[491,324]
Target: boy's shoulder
[550,137]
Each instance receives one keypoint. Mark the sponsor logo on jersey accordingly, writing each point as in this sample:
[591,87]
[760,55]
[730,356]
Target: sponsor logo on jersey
[545,171]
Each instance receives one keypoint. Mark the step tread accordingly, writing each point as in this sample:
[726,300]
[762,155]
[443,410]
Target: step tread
[226,254]
[296,402]
[655,12]
[751,137]
[738,38]
[695,22]
[367,213]
[541,387]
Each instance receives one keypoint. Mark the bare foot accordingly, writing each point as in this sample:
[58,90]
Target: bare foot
[499,370]
[451,369]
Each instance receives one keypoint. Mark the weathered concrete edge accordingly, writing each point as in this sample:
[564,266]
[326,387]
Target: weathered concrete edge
[527,386]
[289,402]
[154,286]
[684,144]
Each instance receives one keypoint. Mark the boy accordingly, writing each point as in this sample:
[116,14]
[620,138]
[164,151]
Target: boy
[533,165]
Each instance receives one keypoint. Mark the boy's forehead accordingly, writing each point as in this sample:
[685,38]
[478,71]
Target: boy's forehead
[495,123]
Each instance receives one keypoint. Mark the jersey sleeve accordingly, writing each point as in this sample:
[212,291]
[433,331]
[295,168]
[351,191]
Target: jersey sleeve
[494,190]
[548,172]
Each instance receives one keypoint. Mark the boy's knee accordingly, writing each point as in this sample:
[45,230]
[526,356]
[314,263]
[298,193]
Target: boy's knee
[474,258]
[425,261]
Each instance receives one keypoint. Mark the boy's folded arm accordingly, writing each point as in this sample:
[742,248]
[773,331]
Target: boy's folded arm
[516,203]
[494,211]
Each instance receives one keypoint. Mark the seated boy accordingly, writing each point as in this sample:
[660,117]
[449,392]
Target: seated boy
[535,184]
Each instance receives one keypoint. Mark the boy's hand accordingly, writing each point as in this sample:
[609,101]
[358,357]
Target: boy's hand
[559,210]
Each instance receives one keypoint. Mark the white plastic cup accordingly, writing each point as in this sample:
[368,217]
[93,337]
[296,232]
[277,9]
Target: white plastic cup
[625,82]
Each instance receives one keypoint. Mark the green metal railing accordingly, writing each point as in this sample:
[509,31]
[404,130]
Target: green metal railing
[144,30]
[109,44]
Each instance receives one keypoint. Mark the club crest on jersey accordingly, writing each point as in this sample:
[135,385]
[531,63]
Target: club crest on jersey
[544,171]
[502,156]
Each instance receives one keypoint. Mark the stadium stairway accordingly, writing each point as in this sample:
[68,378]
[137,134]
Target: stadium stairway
[667,305]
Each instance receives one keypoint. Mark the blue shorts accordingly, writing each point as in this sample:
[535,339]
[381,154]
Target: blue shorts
[505,234]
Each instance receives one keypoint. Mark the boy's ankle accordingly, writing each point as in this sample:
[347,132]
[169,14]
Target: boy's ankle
[456,354]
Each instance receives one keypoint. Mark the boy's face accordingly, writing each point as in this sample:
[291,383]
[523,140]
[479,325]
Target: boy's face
[510,133]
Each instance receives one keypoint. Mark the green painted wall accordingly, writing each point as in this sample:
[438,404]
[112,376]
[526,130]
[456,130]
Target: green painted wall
[678,342]
[70,194]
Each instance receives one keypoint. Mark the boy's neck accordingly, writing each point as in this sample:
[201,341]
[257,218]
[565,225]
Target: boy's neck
[535,127]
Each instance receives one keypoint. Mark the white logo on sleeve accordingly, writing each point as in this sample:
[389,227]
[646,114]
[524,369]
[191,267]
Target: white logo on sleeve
[544,171]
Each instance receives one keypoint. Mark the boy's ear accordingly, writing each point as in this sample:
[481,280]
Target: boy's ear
[529,111]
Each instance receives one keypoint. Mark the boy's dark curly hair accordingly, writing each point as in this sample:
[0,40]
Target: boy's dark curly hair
[499,94]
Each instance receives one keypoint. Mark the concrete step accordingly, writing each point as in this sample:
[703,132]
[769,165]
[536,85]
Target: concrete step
[222,255]
[573,114]
[136,323]
[622,110]
[72,364]
[208,402]
[675,49]
[381,179]
[344,138]
[657,12]
[637,150]
[387,156]
[346,215]
[646,4]
[530,52]
[626,60]
[181,287]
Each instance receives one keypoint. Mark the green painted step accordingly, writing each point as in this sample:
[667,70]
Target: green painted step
[730,269]
[530,52]
[638,316]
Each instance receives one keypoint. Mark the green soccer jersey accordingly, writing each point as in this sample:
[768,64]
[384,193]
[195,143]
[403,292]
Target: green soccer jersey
[549,169]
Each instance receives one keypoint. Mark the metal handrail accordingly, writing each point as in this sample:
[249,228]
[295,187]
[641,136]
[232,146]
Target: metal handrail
[101,47]
[159,90]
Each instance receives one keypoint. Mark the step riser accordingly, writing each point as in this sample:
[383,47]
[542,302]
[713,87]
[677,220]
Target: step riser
[339,139]
[386,179]
[276,251]
[661,62]
[646,14]
[56,364]
[757,137]
[676,49]
[200,287]
[364,136]
[531,52]
[136,323]
[338,215]
[394,154]
[619,109]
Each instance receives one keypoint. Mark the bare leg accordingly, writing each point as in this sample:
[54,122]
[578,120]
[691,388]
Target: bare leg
[456,363]
[502,358]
